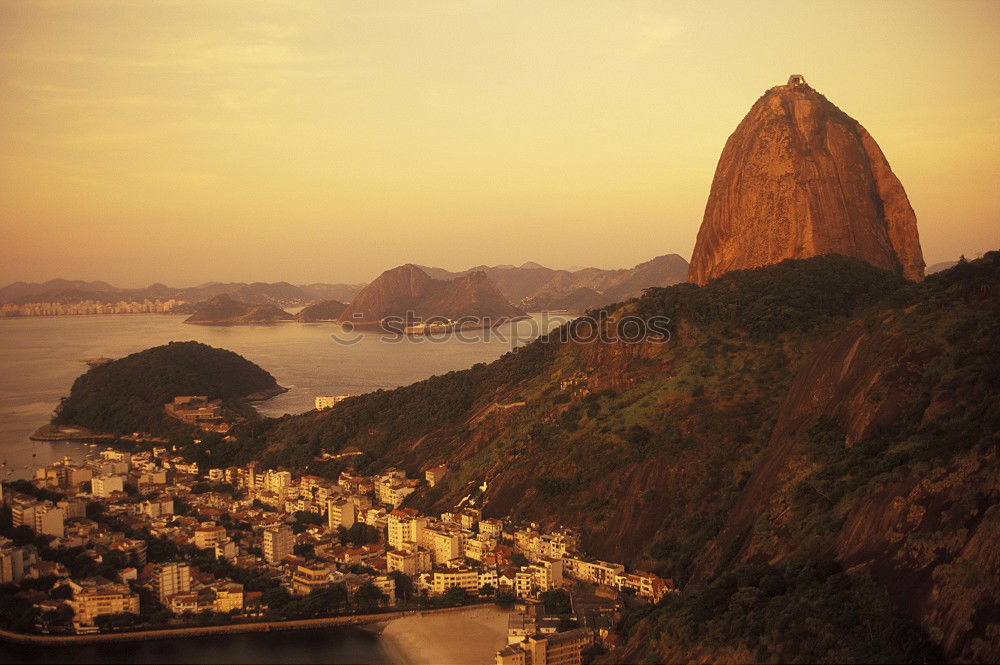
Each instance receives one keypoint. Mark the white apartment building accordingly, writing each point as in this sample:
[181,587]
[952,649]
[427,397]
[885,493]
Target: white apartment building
[103,486]
[209,534]
[447,578]
[278,543]
[340,512]
[170,579]
[405,526]
[410,561]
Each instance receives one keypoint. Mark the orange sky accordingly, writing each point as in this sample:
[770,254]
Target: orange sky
[311,140]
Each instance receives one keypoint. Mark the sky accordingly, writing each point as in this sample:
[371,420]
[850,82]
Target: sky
[183,141]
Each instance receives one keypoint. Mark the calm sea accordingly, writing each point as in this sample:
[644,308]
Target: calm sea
[40,358]
[333,646]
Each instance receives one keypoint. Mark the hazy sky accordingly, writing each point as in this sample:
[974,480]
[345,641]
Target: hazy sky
[188,140]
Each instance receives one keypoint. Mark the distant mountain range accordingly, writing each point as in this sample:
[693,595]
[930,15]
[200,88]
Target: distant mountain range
[281,294]
[534,287]
[529,287]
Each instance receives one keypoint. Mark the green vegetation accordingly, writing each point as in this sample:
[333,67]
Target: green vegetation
[127,395]
[556,601]
[651,456]
[379,419]
[801,612]
[797,295]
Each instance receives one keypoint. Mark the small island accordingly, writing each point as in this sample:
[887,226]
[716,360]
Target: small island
[223,310]
[150,395]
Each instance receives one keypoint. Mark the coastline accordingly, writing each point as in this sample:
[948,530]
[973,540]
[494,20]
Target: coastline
[50,432]
[182,632]
[468,637]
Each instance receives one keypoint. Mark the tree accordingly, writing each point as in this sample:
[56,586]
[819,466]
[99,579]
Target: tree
[60,616]
[61,592]
[557,601]
[404,585]
[368,597]
[116,621]
[455,595]
[505,597]
[565,623]
[487,591]
[276,597]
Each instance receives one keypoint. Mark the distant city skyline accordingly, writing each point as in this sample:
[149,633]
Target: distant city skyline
[187,141]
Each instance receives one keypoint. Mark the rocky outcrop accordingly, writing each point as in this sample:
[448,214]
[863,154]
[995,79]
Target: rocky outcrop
[407,292]
[801,178]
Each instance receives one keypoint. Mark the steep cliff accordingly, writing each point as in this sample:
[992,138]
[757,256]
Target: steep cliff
[800,178]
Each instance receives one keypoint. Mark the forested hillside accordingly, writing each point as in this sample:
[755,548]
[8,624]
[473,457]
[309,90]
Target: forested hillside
[817,411]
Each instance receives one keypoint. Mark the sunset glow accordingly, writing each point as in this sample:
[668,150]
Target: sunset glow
[182,141]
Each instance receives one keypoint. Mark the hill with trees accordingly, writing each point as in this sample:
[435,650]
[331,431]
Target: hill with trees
[818,411]
[223,310]
[127,395]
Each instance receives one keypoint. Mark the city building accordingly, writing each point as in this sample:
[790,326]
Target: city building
[434,474]
[97,596]
[405,526]
[104,486]
[278,543]
[555,649]
[170,579]
[340,512]
[208,535]
[327,401]
[311,576]
[447,578]
[410,561]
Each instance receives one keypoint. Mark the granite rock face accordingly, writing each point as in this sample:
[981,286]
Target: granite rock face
[801,178]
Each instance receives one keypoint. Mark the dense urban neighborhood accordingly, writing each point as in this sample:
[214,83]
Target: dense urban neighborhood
[145,539]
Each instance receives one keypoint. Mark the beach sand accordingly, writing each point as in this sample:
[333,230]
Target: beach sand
[470,636]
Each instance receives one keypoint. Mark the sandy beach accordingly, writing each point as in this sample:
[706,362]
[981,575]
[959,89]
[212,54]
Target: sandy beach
[467,637]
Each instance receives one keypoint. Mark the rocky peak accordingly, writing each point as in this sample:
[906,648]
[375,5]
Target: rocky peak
[800,178]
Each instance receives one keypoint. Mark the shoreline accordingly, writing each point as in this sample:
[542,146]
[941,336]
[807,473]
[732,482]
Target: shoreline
[471,638]
[182,632]
[51,433]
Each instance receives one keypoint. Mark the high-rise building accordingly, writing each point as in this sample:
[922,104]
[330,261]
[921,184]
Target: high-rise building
[340,513]
[405,525]
[171,579]
[278,543]
[103,486]
[49,519]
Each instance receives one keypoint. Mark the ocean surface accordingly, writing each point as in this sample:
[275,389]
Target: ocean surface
[332,645]
[41,356]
